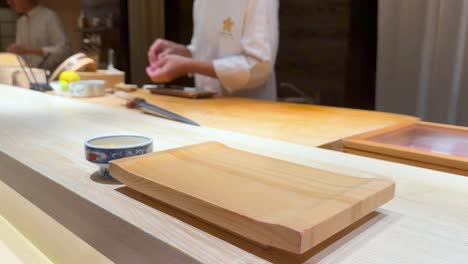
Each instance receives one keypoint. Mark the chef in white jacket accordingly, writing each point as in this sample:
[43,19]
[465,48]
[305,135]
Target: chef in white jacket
[233,49]
[39,31]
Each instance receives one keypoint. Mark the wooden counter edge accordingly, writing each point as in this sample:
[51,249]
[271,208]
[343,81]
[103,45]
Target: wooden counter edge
[113,237]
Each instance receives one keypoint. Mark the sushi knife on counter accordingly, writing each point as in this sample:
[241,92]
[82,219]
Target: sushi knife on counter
[136,102]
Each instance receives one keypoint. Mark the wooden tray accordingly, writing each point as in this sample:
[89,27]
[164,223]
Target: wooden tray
[271,202]
[427,145]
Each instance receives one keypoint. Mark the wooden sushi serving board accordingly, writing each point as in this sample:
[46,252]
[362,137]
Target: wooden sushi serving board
[271,202]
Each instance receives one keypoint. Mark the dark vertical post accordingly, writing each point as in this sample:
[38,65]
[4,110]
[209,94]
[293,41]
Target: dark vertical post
[362,55]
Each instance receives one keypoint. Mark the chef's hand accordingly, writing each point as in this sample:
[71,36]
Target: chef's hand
[16,49]
[168,68]
[162,47]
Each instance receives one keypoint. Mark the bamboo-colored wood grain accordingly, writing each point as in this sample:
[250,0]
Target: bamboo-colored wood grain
[41,158]
[269,201]
[49,241]
[361,144]
[16,249]
[308,125]
[406,161]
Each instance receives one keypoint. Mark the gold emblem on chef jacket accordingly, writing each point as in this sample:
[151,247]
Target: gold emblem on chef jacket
[228,24]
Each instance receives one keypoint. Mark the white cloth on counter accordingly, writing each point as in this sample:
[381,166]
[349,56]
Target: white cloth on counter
[41,28]
[241,38]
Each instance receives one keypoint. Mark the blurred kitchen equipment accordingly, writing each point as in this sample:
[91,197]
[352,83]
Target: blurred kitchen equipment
[110,60]
[33,83]
[90,88]
[112,78]
[301,97]
[14,76]
[78,62]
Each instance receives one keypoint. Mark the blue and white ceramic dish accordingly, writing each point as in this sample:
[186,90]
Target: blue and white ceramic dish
[101,150]
[89,88]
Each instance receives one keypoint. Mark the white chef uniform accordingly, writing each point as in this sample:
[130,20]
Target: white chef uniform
[41,28]
[241,38]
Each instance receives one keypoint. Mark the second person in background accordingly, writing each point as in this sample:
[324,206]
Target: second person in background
[39,32]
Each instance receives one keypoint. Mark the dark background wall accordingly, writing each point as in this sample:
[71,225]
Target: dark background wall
[113,36]
[327,48]
[68,12]
[361,62]
[7,27]
[313,48]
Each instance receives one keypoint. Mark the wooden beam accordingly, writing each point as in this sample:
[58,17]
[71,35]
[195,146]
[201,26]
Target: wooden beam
[146,20]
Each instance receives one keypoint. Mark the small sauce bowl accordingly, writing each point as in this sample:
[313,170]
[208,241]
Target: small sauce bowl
[101,150]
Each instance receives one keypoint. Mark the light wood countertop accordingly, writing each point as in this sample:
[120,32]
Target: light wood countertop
[308,125]
[42,158]
[16,249]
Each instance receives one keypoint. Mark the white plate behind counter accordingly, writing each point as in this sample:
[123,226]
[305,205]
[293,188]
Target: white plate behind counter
[41,146]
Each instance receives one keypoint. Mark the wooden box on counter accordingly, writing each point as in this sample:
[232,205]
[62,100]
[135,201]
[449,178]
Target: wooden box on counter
[427,145]
[112,78]
[16,76]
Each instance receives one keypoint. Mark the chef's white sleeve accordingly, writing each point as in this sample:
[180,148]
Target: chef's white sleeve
[193,43]
[191,47]
[255,65]
[59,47]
